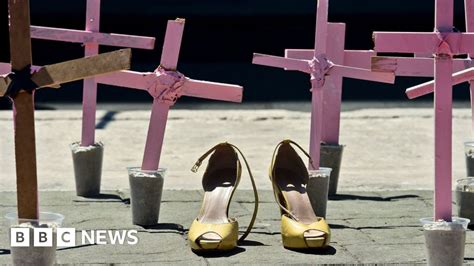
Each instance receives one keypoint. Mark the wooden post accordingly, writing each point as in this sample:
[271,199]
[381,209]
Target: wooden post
[332,96]
[89,98]
[443,95]
[23,100]
[326,71]
[24,119]
[469,18]
[444,43]
[91,38]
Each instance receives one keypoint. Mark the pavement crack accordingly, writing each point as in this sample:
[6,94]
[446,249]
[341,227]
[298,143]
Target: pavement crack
[356,259]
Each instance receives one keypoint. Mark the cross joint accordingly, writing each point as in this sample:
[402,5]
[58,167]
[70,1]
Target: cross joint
[168,86]
[320,65]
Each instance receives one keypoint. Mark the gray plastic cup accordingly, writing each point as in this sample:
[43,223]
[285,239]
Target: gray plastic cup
[445,241]
[331,157]
[464,197]
[146,188]
[317,189]
[30,255]
[87,168]
[469,155]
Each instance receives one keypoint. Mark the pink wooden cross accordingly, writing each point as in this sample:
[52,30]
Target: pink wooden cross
[333,96]
[166,85]
[423,66]
[319,67]
[91,38]
[444,43]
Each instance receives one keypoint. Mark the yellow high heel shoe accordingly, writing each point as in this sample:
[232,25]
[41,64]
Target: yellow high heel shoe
[300,227]
[213,230]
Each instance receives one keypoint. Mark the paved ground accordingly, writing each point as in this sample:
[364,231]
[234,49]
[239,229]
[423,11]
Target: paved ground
[368,227]
[387,177]
[388,146]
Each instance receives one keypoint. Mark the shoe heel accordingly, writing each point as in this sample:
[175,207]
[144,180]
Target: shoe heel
[209,244]
[315,242]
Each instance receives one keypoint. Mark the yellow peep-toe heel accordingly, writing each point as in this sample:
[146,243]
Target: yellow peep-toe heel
[213,230]
[300,227]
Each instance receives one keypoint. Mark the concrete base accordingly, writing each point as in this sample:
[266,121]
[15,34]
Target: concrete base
[445,244]
[87,168]
[41,256]
[317,190]
[146,189]
[470,165]
[465,204]
[331,157]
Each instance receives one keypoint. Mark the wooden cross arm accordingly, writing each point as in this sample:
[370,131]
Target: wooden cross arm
[281,62]
[5,68]
[352,58]
[53,75]
[191,87]
[303,65]
[213,90]
[412,67]
[422,42]
[363,74]
[128,79]
[79,36]
[428,87]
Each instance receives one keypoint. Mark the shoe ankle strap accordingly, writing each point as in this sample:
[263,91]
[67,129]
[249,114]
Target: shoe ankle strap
[275,188]
[289,141]
[198,163]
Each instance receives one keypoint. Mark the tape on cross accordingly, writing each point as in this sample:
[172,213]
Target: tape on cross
[320,66]
[20,80]
[167,86]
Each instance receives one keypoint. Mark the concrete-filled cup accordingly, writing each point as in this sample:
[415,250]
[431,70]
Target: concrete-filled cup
[30,253]
[146,188]
[317,189]
[445,241]
[464,198]
[87,168]
[469,155]
[331,157]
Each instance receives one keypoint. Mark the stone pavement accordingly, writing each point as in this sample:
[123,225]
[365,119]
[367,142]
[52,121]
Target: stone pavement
[367,227]
[388,147]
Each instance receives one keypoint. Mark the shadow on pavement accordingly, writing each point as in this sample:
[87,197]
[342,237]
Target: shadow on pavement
[106,119]
[219,254]
[4,251]
[251,243]
[340,226]
[102,197]
[324,252]
[371,198]
[75,247]
[165,226]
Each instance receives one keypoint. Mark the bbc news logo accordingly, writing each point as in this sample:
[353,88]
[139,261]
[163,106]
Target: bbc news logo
[66,237]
